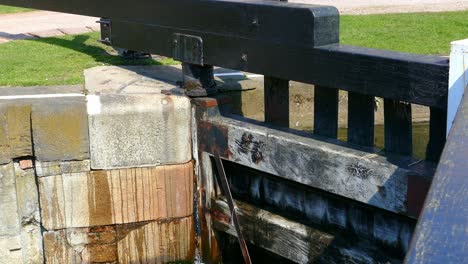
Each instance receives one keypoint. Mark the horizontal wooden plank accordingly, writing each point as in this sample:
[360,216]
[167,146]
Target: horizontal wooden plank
[335,167]
[294,241]
[407,77]
[246,19]
[319,209]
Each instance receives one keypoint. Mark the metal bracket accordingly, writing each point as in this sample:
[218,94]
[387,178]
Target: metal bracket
[105,31]
[187,48]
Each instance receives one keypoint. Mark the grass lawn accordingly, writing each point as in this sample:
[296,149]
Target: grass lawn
[57,60]
[11,9]
[422,33]
[61,60]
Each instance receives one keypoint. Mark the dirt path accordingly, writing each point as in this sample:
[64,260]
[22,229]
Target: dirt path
[43,24]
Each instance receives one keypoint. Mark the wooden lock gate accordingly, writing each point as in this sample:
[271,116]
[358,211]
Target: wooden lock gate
[305,197]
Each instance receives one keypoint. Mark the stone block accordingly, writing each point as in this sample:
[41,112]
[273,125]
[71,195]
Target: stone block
[116,196]
[157,242]
[60,129]
[5,156]
[10,250]
[15,131]
[29,215]
[19,130]
[139,130]
[61,167]
[9,224]
[147,242]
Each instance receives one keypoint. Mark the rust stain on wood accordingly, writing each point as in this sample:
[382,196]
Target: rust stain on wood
[214,138]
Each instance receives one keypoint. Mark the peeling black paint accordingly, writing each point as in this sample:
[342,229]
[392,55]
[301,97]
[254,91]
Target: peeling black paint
[248,146]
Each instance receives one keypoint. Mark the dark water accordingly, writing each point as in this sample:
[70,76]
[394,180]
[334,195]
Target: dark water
[420,138]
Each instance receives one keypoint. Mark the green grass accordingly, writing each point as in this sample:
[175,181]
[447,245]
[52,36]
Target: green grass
[61,60]
[11,9]
[57,60]
[421,33]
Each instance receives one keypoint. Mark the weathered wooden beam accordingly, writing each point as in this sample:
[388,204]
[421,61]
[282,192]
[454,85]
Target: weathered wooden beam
[441,235]
[326,111]
[294,241]
[318,208]
[407,77]
[331,166]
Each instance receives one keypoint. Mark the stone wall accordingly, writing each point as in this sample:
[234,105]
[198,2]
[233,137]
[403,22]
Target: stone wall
[102,175]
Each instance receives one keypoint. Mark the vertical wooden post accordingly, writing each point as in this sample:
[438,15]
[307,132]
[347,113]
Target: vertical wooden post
[437,131]
[361,119]
[398,127]
[326,111]
[276,101]
[276,98]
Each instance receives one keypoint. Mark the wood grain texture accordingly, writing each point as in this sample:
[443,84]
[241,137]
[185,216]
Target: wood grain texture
[441,235]
[307,159]
[294,241]
[116,196]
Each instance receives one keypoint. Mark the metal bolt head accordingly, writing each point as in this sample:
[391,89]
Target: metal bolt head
[244,56]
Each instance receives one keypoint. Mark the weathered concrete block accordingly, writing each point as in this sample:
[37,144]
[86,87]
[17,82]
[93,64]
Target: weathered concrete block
[148,242]
[117,196]
[60,129]
[29,215]
[139,130]
[61,167]
[9,224]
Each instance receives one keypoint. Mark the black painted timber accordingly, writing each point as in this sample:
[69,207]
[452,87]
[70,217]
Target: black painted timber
[361,109]
[437,134]
[276,94]
[326,112]
[253,37]
[441,235]
[398,127]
